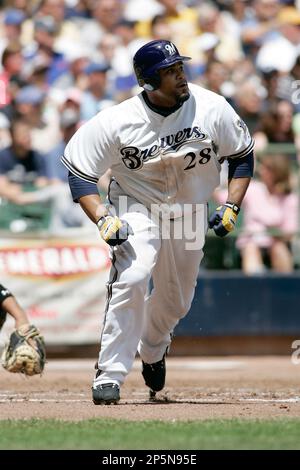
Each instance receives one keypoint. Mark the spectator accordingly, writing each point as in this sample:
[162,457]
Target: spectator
[72,100]
[270,218]
[216,75]
[95,98]
[249,101]
[280,53]
[46,31]
[261,27]
[78,58]
[36,72]
[141,10]
[237,12]
[121,78]
[12,24]
[26,6]
[243,72]
[53,8]
[108,13]
[182,20]
[270,80]
[218,39]
[69,122]
[275,125]
[160,28]
[29,102]
[78,9]
[20,165]
[108,48]
[32,105]
[121,62]
[58,9]
[12,62]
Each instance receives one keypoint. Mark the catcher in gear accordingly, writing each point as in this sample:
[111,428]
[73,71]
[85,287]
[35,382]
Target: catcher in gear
[25,352]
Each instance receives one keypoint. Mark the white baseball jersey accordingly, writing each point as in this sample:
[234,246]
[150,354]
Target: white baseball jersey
[156,159]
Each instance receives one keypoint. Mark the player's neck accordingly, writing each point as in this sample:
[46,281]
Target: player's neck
[157,106]
[160,100]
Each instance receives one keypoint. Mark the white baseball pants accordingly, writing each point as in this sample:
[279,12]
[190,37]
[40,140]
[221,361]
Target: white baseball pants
[134,319]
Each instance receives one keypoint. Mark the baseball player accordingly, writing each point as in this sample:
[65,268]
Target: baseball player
[164,147]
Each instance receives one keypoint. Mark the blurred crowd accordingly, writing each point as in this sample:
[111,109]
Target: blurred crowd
[62,61]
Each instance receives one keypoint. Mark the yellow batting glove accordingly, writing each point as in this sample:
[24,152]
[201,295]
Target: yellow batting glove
[113,230]
[224,218]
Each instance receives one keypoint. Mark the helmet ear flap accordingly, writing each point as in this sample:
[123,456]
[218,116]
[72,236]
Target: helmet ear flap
[148,87]
[151,84]
[148,83]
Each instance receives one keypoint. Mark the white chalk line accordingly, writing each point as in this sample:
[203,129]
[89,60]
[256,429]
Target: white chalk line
[42,400]
[272,400]
[173,364]
[204,401]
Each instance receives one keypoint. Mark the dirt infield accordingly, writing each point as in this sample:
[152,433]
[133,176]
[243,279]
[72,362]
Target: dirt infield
[196,388]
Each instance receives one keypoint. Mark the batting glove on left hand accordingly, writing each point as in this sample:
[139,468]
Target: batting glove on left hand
[113,230]
[224,218]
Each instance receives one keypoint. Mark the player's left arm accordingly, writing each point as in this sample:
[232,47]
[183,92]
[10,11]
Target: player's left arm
[236,145]
[224,218]
[237,188]
[240,172]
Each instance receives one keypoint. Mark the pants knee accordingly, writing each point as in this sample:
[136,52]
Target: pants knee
[184,308]
[137,279]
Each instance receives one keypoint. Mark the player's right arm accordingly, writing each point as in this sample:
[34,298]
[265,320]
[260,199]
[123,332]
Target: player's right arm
[87,195]
[88,155]
[113,230]
[93,207]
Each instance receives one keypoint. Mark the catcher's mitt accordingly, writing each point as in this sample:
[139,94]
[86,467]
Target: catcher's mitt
[25,352]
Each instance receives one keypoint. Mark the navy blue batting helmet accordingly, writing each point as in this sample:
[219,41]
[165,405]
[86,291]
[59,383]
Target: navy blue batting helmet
[150,58]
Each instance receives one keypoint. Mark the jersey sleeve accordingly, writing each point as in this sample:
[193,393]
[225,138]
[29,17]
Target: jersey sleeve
[232,134]
[92,149]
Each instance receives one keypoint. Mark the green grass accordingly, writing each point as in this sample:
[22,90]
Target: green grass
[113,434]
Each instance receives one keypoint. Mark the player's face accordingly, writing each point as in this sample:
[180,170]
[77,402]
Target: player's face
[173,85]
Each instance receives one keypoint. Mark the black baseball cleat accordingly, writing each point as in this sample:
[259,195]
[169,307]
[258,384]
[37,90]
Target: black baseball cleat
[155,375]
[106,394]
